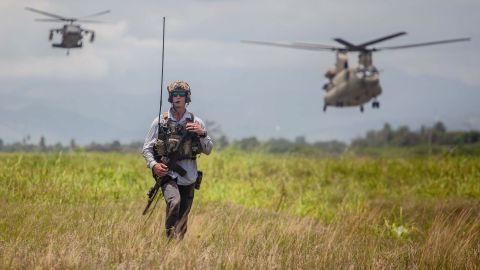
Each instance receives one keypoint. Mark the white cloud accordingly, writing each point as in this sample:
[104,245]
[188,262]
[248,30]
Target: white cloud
[75,66]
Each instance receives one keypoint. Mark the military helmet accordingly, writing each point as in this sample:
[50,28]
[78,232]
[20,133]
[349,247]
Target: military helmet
[178,85]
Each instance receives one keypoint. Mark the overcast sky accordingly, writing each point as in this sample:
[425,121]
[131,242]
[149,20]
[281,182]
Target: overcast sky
[110,89]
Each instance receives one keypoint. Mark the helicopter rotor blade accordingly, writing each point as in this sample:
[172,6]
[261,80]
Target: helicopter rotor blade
[300,46]
[49,20]
[347,44]
[90,21]
[381,39]
[47,14]
[318,46]
[423,44]
[95,14]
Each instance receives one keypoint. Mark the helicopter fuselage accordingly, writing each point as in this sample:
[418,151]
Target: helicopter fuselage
[71,37]
[353,87]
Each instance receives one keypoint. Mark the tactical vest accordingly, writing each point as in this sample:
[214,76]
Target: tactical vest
[175,139]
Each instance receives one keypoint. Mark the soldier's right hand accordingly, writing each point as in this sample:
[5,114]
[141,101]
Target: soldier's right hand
[160,169]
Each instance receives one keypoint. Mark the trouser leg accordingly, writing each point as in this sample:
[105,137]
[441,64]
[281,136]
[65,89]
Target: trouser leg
[186,194]
[172,198]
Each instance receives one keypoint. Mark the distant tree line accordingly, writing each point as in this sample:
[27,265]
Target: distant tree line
[27,146]
[403,136]
[386,137]
[282,145]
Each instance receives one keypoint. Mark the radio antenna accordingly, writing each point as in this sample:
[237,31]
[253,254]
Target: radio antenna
[161,80]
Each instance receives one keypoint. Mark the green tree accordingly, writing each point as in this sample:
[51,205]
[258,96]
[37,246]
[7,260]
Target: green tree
[387,134]
[42,144]
[279,145]
[116,146]
[221,142]
[331,146]
[73,145]
[58,147]
[300,141]
[248,144]
[440,127]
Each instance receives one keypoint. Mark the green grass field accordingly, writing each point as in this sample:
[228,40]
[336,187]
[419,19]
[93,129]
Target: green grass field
[254,210]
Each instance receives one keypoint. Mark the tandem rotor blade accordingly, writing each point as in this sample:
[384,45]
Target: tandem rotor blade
[301,46]
[381,39]
[46,13]
[347,44]
[422,44]
[95,14]
[318,46]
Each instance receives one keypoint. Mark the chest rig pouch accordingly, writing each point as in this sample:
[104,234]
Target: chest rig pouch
[174,139]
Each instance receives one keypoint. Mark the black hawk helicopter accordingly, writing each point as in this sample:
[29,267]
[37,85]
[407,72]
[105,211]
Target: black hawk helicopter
[72,34]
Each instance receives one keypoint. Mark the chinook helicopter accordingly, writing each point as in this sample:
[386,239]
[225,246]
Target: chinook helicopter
[72,34]
[357,85]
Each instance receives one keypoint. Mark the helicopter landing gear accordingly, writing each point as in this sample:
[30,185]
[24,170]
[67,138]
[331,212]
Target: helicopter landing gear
[375,104]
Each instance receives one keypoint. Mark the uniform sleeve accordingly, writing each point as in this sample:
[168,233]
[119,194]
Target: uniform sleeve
[148,144]
[207,143]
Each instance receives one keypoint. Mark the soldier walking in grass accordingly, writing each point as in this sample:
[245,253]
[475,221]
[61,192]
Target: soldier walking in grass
[170,149]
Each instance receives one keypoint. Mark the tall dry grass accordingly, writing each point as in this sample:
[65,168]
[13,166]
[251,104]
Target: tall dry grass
[229,237]
[84,211]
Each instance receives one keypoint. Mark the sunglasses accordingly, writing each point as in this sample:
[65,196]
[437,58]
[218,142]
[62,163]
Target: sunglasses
[181,94]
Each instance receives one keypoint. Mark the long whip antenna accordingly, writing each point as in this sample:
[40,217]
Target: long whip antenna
[150,199]
[161,80]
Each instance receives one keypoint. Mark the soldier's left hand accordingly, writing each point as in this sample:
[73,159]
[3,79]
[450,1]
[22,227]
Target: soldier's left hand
[195,127]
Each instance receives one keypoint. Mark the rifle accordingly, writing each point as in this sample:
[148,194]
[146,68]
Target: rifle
[169,155]
[171,163]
